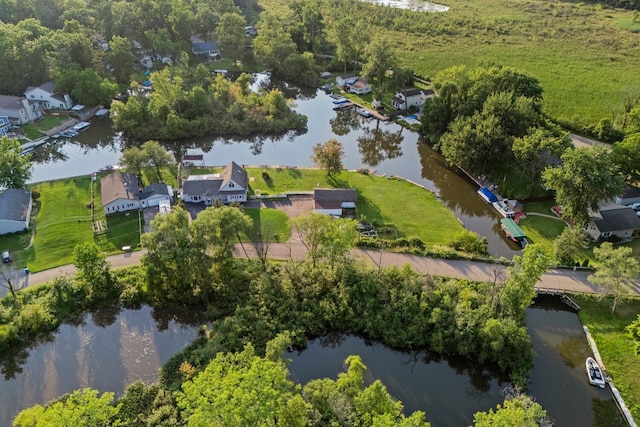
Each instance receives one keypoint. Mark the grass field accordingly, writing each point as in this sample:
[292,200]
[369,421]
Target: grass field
[614,344]
[63,221]
[585,56]
[269,220]
[33,130]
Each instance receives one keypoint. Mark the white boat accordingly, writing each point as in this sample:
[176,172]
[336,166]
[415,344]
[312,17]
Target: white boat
[69,133]
[364,112]
[101,113]
[80,126]
[503,209]
[596,377]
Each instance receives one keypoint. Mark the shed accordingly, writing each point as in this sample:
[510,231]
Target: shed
[15,210]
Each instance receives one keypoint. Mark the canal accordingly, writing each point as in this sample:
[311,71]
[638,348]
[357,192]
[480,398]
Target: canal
[109,349]
[387,148]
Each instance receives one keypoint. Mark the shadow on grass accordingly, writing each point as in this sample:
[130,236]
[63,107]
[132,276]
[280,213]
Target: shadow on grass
[294,173]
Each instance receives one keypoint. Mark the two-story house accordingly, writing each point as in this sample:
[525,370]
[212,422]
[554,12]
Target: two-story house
[229,186]
[20,110]
[46,94]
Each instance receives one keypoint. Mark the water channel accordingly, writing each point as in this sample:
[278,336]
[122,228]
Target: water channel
[109,349]
[387,148]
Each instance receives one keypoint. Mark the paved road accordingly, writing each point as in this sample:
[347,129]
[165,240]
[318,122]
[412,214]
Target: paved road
[568,280]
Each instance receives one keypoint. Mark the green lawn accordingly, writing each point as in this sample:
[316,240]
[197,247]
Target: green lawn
[33,130]
[16,243]
[273,221]
[63,221]
[614,344]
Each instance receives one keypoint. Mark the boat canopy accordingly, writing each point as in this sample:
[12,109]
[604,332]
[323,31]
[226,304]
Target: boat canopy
[488,195]
[512,228]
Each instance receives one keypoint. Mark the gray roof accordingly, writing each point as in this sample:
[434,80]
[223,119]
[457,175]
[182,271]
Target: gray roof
[118,185]
[620,219]
[47,87]
[11,102]
[203,47]
[203,187]
[332,198]
[14,205]
[411,92]
[630,193]
[152,190]
[237,173]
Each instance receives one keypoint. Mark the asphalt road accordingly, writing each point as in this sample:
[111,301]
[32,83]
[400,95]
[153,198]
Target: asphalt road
[566,280]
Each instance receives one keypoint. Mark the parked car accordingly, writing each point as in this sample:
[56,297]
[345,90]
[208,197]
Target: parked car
[635,206]
[6,257]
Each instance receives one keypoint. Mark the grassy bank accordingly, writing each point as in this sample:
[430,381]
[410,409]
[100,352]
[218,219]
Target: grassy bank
[614,344]
[584,55]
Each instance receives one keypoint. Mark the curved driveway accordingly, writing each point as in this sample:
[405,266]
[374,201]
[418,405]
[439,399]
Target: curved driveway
[566,280]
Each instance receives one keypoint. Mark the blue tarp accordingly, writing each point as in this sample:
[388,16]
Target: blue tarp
[486,194]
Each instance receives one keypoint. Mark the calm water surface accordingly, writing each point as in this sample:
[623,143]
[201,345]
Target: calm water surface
[387,148]
[106,350]
[417,5]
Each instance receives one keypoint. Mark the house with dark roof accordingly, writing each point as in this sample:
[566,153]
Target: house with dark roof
[121,192]
[15,210]
[612,220]
[204,49]
[232,185]
[46,94]
[406,99]
[629,196]
[337,202]
[20,110]
[5,126]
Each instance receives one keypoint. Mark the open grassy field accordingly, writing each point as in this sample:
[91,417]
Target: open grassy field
[614,344]
[272,220]
[584,55]
[63,221]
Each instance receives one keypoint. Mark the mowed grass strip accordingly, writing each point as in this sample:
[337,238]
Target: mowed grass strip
[614,343]
[271,221]
[63,221]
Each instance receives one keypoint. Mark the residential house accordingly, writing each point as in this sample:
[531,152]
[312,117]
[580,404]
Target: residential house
[5,126]
[229,186]
[411,98]
[250,31]
[46,94]
[346,79]
[612,220]
[202,48]
[15,210]
[20,110]
[337,202]
[629,196]
[359,87]
[121,192]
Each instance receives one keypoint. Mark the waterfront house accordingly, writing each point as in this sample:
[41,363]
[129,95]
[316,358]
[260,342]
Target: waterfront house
[229,186]
[337,202]
[46,94]
[15,210]
[629,196]
[20,110]
[359,87]
[406,99]
[346,79]
[5,125]
[121,192]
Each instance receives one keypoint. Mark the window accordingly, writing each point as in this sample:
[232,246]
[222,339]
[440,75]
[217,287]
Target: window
[231,185]
[607,234]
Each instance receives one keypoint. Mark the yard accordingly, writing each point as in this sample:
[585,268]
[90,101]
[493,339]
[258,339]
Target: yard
[33,130]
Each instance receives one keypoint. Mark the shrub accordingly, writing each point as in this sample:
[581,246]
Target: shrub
[468,241]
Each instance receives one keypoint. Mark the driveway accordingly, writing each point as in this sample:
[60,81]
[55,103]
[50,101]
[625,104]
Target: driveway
[294,205]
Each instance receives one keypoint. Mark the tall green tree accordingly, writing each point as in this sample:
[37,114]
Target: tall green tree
[617,269]
[585,177]
[94,270]
[626,154]
[157,156]
[133,159]
[121,59]
[379,60]
[328,156]
[231,31]
[326,237]
[15,169]
[568,244]
[519,410]
[538,149]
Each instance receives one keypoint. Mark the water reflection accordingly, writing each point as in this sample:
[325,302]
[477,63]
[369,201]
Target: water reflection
[377,145]
[345,121]
[106,349]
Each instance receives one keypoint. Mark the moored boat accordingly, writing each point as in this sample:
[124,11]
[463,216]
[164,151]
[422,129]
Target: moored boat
[513,231]
[80,126]
[343,106]
[69,133]
[503,209]
[101,113]
[364,112]
[340,100]
[596,377]
[487,195]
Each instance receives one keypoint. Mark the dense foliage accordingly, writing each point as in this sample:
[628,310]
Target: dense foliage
[15,169]
[184,104]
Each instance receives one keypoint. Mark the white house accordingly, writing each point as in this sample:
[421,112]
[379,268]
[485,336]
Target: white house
[346,79]
[20,110]
[411,98]
[45,93]
[15,210]
[229,186]
[359,87]
[612,220]
[5,125]
[121,192]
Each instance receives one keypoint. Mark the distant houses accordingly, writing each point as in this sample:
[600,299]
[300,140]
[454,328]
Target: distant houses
[121,192]
[232,185]
[15,210]
[612,220]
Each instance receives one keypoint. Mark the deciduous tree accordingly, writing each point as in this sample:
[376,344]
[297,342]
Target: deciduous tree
[617,268]
[328,156]
[520,410]
[15,169]
[626,154]
[585,177]
[568,244]
[537,149]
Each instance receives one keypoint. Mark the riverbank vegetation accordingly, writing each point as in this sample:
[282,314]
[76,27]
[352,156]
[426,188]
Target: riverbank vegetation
[249,301]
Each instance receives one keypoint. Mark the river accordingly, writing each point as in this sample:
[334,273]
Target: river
[110,349]
[387,148]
